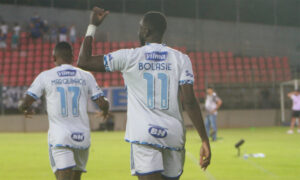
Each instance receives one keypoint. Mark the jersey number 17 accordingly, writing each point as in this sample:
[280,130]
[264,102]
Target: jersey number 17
[63,100]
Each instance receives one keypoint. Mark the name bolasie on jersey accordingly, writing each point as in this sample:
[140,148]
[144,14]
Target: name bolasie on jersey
[155,66]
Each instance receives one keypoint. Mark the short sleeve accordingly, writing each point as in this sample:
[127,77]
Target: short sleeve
[36,89]
[94,89]
[186,74]
[116,61]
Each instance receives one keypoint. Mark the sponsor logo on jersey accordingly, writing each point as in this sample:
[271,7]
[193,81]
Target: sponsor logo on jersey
[156,56]
[68,72]
[157,131]
[79,137]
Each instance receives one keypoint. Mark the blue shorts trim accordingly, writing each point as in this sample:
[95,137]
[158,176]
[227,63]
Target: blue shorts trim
[173,177]
[66,168]
[32,95]
[155,145]
[147,173]
[68,146]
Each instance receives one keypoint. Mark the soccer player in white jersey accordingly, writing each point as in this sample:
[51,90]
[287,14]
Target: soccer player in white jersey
[67,90]
[155,76]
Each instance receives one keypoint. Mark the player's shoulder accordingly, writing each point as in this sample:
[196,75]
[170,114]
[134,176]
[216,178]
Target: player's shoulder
[178,53]
[83,72]
[47,73]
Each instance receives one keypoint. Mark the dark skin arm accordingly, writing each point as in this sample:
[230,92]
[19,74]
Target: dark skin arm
[85,59]
[103,104]
[193,109]
[24,105]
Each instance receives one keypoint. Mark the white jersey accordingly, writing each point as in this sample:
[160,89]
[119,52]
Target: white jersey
[211,103]
[67,90]
[152,74]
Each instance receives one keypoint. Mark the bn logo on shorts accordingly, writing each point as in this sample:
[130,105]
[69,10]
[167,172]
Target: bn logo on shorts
[79,137]
[157,131]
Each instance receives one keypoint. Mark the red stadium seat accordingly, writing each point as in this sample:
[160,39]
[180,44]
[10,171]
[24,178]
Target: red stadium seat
[214,55]
[222,55]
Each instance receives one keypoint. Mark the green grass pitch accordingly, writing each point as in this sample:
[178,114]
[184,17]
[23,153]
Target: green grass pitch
[25,156]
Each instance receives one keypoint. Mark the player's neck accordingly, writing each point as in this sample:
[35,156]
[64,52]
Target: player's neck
[154,40]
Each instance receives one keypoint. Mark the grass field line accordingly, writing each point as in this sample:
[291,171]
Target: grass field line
[260,168]
[208,175]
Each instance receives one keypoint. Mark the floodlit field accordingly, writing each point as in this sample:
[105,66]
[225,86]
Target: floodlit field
[25,156]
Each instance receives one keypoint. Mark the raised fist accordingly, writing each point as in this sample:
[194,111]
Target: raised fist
[97,16]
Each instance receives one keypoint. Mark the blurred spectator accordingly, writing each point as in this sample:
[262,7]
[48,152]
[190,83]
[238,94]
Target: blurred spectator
[107,124]
[53,34]
[2,40]
[45,30]
[35,18]
[16,35]
[35,31]
[212,104]
[4,28]
[63,33]
[73,34]
[11,97]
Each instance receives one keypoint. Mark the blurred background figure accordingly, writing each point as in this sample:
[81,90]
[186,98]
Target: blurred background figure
[53,34]
[15,36]
[212,104]
[45,30]
[72,34]
[4,28]
[107,124]
[295,97]
[2,40]
[35,31]
[63,33]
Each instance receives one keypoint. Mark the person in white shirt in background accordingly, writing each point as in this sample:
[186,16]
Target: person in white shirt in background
[212,104]
[72,34]
[63,31]
[295,97]
[16,35]
[4,28]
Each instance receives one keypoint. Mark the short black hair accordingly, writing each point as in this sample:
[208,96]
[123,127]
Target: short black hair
[64,50]
[156,22]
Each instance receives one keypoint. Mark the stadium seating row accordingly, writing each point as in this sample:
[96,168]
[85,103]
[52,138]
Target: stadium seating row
[18,67]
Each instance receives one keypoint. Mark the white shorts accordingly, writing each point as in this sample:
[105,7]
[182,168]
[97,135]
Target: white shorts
[147,159]
[64,158]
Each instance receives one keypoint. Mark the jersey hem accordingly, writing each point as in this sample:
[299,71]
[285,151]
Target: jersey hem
[155,145]
[182,82]
[32,95]
[97,96]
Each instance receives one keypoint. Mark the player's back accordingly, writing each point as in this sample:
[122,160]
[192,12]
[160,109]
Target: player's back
[153,74]
[66,90]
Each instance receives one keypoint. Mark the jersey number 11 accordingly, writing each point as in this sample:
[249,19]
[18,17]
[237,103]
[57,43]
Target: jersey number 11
[164,92]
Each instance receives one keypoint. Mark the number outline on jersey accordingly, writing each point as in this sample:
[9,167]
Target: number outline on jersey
[64,103]
[164,91]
